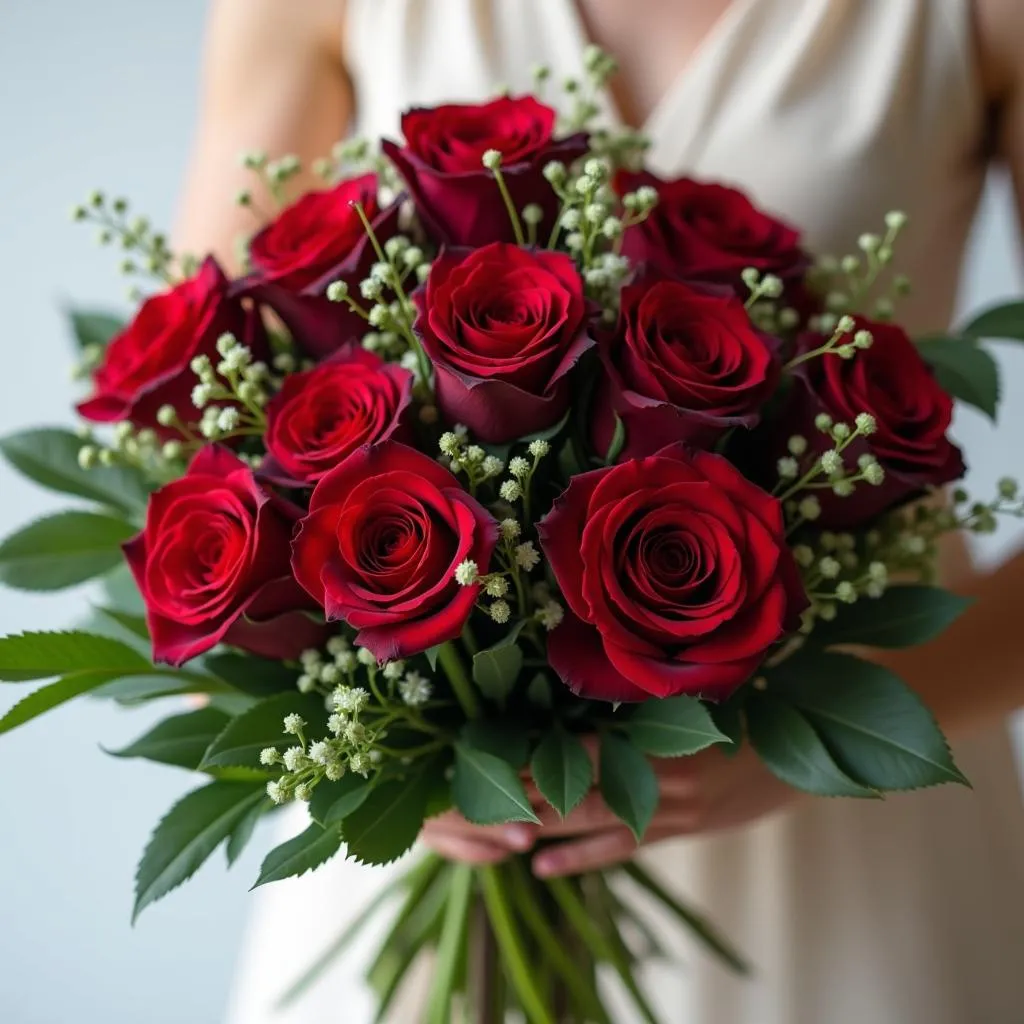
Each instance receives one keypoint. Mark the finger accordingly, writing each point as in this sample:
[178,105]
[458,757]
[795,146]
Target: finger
[591,815]
[515,836]
[466,851]
[596,852]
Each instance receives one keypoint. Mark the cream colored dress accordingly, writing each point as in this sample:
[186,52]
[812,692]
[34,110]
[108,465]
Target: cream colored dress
[829,112]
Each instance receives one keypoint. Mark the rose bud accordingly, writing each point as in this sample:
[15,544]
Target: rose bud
[504,328]
[212,565]
[457,198]
[684,364]
[148,365]
[386,530]
[320,416]
[676,574]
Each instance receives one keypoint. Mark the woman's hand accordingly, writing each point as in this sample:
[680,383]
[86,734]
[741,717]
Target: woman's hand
[708,792]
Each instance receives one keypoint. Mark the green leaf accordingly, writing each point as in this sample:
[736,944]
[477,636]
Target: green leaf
[902,617]
[133,690]
[259,677]
[49,697]
[964,370]
[45,655]
[62,550]
[179,740]
[431,654]
[673,727]
[188,834]
[91,327]
[539,691]
[134,624]
[618,441]
[49,456]
[788,744]
[506,739]
[496,669]
[874,726]
[387,823]
[333,801]
[242,739]
[561,770]
[728,718]
[1003,321]
[487,790]
[306,852]
[240,835]
[628,783]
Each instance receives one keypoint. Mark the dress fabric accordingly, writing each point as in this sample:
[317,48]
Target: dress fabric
[828,113]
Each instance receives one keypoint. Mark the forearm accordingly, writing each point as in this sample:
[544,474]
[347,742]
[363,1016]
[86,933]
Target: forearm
[972,676]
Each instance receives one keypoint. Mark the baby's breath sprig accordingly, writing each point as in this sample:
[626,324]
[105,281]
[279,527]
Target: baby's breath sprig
[142,449]
[146,251]
[844,342]
[469,459]
[598,68]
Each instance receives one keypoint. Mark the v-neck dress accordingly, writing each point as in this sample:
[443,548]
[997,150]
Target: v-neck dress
[830,113]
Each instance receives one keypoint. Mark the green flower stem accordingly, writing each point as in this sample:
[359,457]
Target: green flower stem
[448,657]
[520,971]
[513,213]
[453,939]
[469,640]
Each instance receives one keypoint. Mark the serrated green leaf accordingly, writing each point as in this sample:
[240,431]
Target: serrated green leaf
[487,790]
[192,829]
[964,370]
[179,740]
[673,727]
[242,739]
[92,327]
[1004,321]
[496,669]
[876,728]
[793,751]
[45,655]
[561,770]
[258,677]
[628,783]
[62,550]
[49,457]
[134,624]
[333,801]
[507,739]
[306,852]
[618,441]
[240,835]
[902,617]
[40,701]
[387,823]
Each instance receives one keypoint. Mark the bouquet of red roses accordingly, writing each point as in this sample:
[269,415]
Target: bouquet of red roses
[505,468]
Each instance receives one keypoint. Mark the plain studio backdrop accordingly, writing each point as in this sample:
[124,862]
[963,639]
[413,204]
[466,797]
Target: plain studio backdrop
[102,94]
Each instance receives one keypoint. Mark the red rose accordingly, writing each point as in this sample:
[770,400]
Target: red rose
[321,416]
[147,364]
[456,197]
[684,364]
[676,574]
[317,240]
[893,384]
[212,565]
[706,232]
[379,548]
[503,327]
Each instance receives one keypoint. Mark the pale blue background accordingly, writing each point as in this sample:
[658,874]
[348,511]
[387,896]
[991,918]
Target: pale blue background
[102,93]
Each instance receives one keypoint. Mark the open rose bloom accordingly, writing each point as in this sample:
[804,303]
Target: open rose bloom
[506,471]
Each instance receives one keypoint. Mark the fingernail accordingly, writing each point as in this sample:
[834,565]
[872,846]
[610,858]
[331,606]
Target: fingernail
[545,865]
[519,837]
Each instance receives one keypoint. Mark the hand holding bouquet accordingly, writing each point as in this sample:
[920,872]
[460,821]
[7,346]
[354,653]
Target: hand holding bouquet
[506,468]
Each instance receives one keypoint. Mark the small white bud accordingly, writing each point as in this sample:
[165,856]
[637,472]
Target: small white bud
[519,467]
[294,759]
[491,159]
[500,612]
[228,419]
[845,325]
[172,450]
[845,592]
[492,465]
[550,615]
[509,529]
[868,243]
[527,556]
[895,220]
[275,792]
[88,456]
[496,586]
[865,423]
[797,445]
[337,291]
[831,463]
[823,422]
[771,286]
[803,555]
[166,415]
[393,670]
[449,443]
[269,756]
[874,475]
[293,724]
[466,573]
[226,344]
[789,468]
[366,658]
[532,214]
[538,449]
[810,508]
[829,567]
[510,491]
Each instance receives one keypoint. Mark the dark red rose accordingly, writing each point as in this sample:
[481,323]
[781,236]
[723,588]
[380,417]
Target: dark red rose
[684,364]
[503,327]
[385,532]
[456,197]
[893,384]
[317,240]
[147,364]
[320,416]
[212,565]
[676,574]
[706,232]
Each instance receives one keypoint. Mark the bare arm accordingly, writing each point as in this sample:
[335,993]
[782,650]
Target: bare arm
[273,81]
